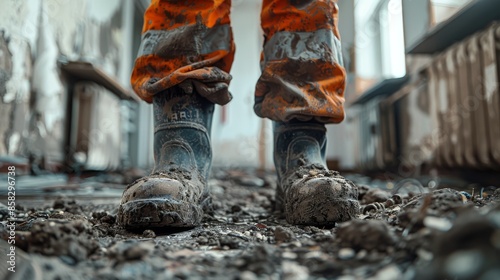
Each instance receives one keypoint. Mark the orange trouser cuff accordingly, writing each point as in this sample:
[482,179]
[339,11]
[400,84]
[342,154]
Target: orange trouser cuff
[190,44]
[186,43]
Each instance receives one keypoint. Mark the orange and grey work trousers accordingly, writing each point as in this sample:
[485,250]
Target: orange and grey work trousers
[189,43]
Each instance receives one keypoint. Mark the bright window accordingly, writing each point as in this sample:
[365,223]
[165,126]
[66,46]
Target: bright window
[380,50]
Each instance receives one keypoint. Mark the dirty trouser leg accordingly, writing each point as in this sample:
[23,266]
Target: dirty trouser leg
[302,88]
[186,43]
[302,74]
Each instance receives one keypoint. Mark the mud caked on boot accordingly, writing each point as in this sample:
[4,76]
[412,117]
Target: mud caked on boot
[175,194]
[308,193]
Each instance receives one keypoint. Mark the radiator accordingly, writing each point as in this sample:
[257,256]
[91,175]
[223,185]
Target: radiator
[490,54]
[480,144]
[465,86]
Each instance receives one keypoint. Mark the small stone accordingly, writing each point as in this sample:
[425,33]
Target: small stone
[294,271]
[235,208]
[289,255]
[346,277]
[425,255]
[437,223]
[202,240]
[313,172]
[259,236]
[149,234]
[98,215]
[366,234]
[67,260]
[260,226]
[315,255]
[248,275]
[283,235]
[229,242]
[138,251]
[390,272]
[108,219]
[346,253]
[464,264]
[362,254]
[251,181]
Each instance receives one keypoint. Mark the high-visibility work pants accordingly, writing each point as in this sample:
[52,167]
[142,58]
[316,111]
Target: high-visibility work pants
[189,43]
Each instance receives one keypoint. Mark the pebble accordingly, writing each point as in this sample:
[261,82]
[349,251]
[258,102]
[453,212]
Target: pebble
[235,208]
[251,181]
[366,234]
[390,272]
[294,271]
[149,234]
[135,251]
[260,226]
[289,255]
[202,240]
[316,255]
[283,235]
[464,264]
[362,254]
[346,277]
[67,260]
[229,242]
[425,255]
[346,253]
[259,236]
[108,219]
[437,223]
[248,275]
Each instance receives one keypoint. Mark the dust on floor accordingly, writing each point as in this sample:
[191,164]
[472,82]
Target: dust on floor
[437,233]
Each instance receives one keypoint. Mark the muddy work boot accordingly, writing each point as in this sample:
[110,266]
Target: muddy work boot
[308,193]
[175,194]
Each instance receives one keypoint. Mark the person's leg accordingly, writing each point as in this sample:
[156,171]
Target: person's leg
[187,43]
[301,89]
[182,68]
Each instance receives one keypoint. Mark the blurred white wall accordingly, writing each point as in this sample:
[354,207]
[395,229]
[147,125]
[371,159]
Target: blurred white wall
[235,137]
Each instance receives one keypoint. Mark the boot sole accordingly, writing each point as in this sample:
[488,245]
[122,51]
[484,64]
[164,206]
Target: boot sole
[321,201]
[159,213]
[322,212]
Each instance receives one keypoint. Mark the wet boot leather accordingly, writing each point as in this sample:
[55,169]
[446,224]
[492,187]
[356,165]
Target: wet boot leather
[308,193]
[175,194]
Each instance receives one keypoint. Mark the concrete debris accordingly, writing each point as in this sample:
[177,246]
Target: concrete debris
[433,235]
[367,234]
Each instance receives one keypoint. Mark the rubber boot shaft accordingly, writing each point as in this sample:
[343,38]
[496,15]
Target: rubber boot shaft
[298,144]
[182,132]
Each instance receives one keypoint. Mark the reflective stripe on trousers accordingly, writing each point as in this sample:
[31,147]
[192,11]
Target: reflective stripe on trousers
[189,44]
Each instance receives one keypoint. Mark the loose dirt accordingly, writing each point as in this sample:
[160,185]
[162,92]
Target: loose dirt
[436,233]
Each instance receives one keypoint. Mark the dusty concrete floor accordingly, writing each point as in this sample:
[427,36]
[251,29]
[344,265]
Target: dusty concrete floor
[429,234]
